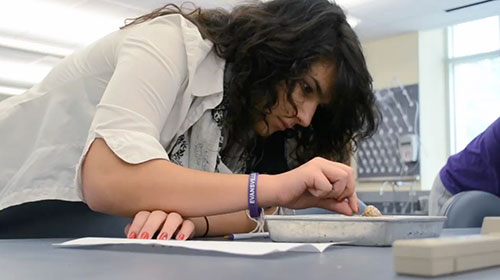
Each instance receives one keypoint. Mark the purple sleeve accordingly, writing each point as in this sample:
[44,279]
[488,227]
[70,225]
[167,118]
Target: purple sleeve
[477,167]
[492,144]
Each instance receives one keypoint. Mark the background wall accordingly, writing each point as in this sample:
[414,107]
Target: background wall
[393,58]
[416,58]
[434,117]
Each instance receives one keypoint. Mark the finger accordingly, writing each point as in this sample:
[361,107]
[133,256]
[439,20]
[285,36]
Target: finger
[353,202]
[333,205]
[335,171]
[351,179]
[186,231]
[323,188]
[352,199]
[347,176]
[346,193]
[339,188]
[137,224]
[127,227]
[171,225]
[152,224]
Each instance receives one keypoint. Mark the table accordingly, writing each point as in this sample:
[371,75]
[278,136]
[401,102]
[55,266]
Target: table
[38,259]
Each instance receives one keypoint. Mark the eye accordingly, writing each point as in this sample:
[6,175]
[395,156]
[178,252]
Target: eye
[306,88]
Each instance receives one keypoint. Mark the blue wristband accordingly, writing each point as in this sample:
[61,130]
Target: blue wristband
[253,208]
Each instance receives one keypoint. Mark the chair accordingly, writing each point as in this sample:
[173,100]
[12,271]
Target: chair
[468,209]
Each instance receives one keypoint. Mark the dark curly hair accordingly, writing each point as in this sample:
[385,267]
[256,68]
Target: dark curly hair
[277,41]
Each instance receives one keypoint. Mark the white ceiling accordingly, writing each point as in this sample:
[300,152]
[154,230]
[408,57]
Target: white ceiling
[36,34]
[385,18]
[379,18]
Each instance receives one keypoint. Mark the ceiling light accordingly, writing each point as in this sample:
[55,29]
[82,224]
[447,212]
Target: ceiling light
[60,23]
[15,73]
[11,90]
[34,47]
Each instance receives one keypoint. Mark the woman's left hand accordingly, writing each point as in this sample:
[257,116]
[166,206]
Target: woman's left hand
[170,226]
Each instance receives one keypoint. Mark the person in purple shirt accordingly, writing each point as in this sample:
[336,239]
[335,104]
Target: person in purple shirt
[475,168]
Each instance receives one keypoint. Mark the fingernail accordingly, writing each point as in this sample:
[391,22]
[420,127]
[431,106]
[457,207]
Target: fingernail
[359,210]
[341,200]
[132,235]
[144,235]
[163,236]
[180,236]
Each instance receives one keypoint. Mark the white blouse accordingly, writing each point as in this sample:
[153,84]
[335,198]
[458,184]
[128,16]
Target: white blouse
[139,89]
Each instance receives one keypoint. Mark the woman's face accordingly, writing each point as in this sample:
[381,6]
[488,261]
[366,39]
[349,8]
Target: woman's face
[309,92]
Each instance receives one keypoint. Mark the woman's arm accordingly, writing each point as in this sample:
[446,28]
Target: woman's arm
[113,186]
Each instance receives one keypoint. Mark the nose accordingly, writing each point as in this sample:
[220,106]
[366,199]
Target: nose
[305,112]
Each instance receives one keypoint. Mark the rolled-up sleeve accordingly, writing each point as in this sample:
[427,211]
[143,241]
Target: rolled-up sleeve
[151,68]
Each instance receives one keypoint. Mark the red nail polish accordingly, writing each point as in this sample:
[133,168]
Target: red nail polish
[180,237]
[341,200]
[132,235]
[144,235]
[163,236]
[359,210]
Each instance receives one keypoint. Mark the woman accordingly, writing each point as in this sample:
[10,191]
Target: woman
[169,112]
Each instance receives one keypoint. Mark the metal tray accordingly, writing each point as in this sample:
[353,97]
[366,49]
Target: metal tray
[354,230]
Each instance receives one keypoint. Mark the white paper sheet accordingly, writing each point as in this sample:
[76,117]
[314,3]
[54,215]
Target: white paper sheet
[229,247]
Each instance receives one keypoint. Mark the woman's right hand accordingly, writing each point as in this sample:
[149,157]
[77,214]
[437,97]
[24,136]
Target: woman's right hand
[169,226]
[319,183]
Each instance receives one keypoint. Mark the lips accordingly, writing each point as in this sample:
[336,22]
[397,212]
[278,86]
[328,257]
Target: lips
[284,124]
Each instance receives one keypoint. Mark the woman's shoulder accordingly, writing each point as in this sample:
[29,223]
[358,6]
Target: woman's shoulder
[170,23]
[168,34]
